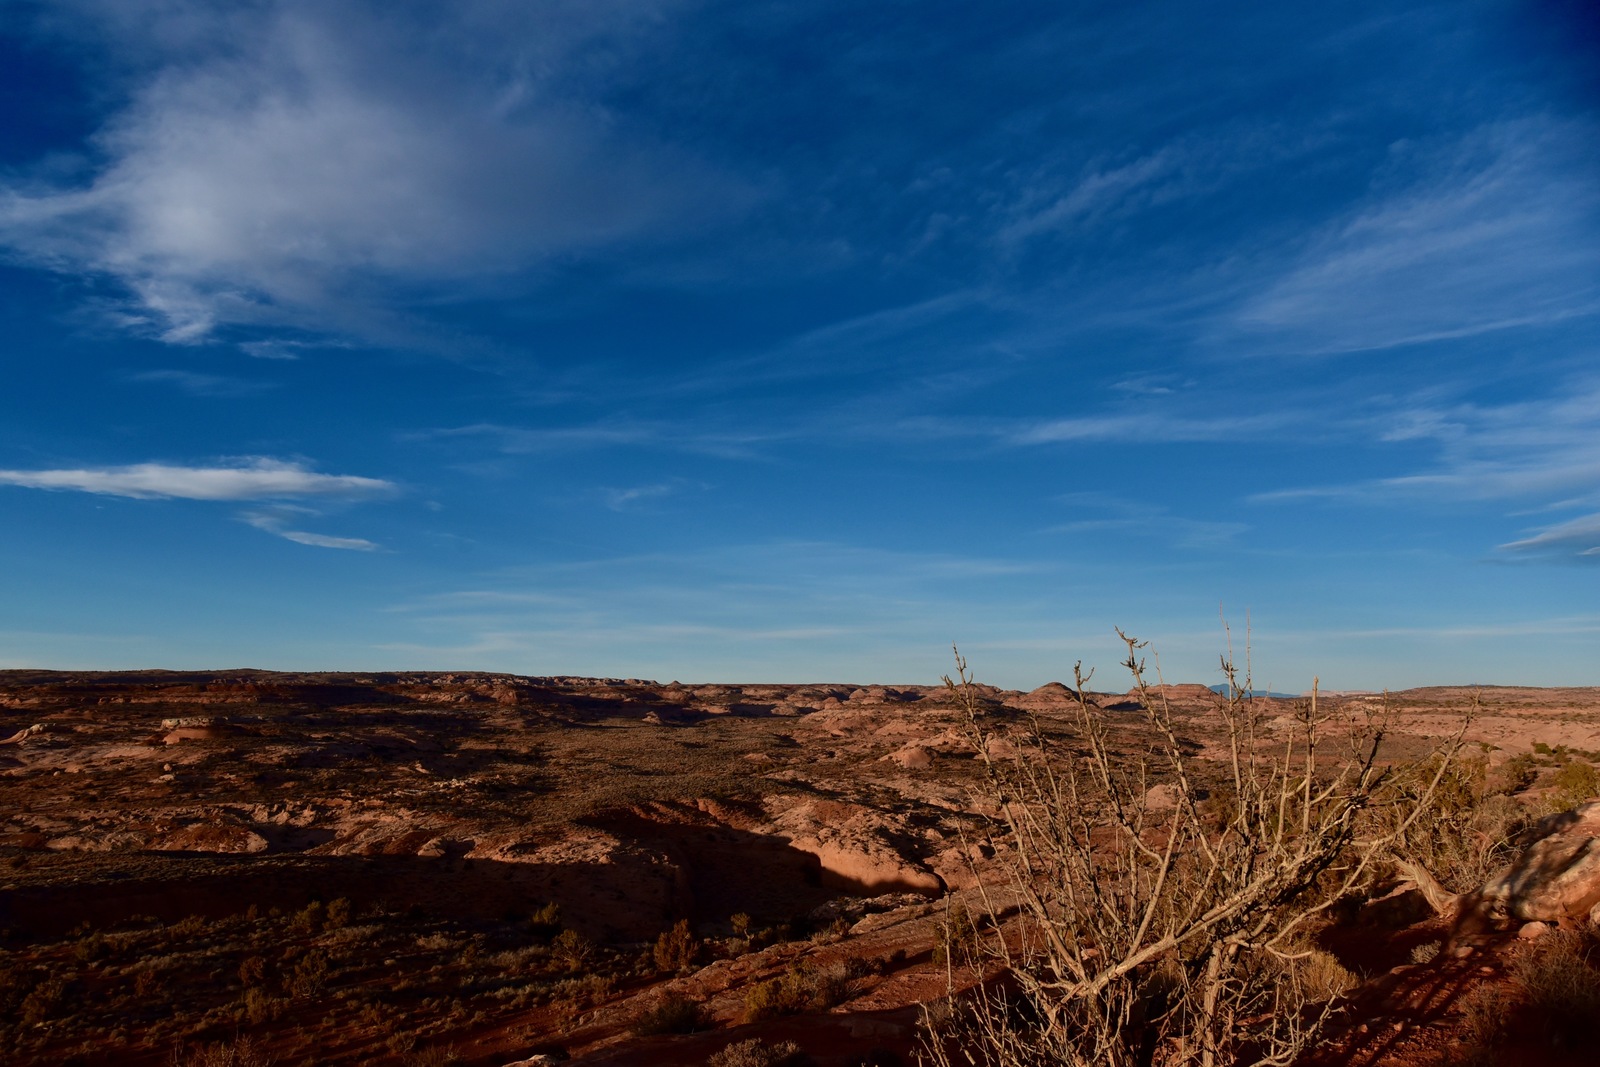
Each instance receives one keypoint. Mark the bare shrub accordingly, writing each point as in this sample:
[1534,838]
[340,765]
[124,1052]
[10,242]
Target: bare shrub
[1158,930]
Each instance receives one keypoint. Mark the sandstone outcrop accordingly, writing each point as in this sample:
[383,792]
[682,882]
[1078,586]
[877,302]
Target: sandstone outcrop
[861,850]
[1555,879]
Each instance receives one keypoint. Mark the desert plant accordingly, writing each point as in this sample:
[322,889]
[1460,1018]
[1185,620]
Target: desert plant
[242,1052]
[1426,952]
[674,1014]
[308,919]
[955,938]
[1460,846]
[258,1006]
[1515,774]
[1575,783]
[1483,1023]
[310,974]
[756,1053]
[1155,930]
[252,971]
[572,948]
[338,913]
[1561,988]
[798,989]
[545,922]
[675,949]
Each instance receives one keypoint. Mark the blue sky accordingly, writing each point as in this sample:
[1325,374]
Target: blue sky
[796,341]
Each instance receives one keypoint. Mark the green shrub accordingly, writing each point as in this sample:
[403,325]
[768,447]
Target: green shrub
[955,936]
[1576,782]
[676,949]
[798,989]
[1516,774]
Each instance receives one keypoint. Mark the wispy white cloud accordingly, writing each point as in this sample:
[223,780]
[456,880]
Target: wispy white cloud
[1542,450]
[208,385]
[609,433]
[251,479]
[1575,538]
[1485,240]
[276,521]
[1111,514]
[291,155]
[1150,426]
[737,610]
[286,349]
[1099,190]
[624,499]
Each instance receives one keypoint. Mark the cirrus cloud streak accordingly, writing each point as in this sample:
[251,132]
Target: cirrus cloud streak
[253,479]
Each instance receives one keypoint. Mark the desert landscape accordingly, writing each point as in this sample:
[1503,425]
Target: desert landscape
[427,428]
[252,867]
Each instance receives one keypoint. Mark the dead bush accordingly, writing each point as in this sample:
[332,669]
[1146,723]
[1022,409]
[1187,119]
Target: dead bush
[1153,930]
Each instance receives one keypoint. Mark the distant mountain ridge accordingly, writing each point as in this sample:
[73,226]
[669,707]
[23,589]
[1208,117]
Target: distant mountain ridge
[1222,687]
